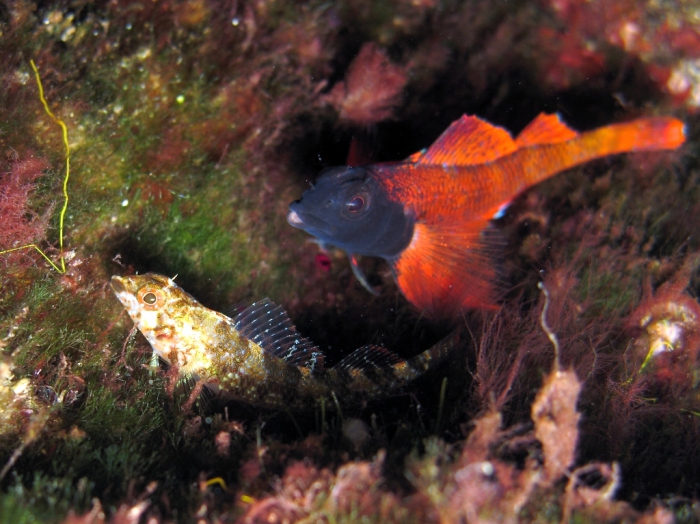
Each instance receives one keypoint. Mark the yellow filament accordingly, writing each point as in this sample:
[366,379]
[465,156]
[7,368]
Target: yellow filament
[64,129]
[216,481]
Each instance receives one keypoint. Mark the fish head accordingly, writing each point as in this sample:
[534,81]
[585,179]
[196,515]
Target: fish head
[349,209]
[158,307]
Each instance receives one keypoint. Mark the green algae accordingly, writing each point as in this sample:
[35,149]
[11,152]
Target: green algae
[45,498]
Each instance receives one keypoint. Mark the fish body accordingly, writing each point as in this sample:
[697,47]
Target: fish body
[258,357]
[428,215]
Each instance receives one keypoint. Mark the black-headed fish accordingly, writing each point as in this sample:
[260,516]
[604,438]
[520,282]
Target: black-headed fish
[258,357]
[426,216]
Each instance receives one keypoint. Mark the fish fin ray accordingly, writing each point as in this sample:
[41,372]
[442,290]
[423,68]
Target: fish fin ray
[445,270]
[545,129]
[360,275]
[369,357]
[269,326]
[415,157]
[468,141]
[360,150]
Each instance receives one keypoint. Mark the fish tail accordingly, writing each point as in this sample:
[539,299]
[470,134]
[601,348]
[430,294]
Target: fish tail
[416,366]
[372,371]
[404,371]
[643,134]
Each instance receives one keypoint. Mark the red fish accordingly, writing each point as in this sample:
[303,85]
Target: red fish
[427,216]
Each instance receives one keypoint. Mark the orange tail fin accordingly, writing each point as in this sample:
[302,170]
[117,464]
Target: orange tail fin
[552,155]
[643,134]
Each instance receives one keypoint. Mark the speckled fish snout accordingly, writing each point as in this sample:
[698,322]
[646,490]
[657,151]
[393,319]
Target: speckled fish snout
[127,297]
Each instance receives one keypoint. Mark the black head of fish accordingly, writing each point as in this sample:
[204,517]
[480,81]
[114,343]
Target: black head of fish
[347,208]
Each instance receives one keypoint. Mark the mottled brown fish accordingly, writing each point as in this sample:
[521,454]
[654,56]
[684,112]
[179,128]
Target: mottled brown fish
[258,357]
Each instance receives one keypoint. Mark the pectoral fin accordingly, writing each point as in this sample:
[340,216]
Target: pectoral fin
[360,276]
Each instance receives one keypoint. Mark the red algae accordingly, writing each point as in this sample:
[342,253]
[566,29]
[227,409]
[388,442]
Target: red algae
[484,485]
[667,42]
[307,494]
[371,89]
[20,224]
[570,62]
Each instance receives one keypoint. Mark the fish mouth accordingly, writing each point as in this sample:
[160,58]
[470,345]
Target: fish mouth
[294,219]
[117,285]
[309,223]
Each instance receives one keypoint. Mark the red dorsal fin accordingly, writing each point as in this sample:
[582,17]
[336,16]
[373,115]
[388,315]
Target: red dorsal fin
[468,141]
[360,150]
[545,129]
[415,157]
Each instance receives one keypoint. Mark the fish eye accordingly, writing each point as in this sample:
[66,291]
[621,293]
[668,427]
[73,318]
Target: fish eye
[151,298]
[355,204]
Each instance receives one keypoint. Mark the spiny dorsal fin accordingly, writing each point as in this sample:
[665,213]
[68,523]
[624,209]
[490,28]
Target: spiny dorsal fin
[268,325]
[369,357]
[545,129]
[468,141]
[415,157]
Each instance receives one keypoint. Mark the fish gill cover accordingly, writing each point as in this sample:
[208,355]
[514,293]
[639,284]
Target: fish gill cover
[192,125]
